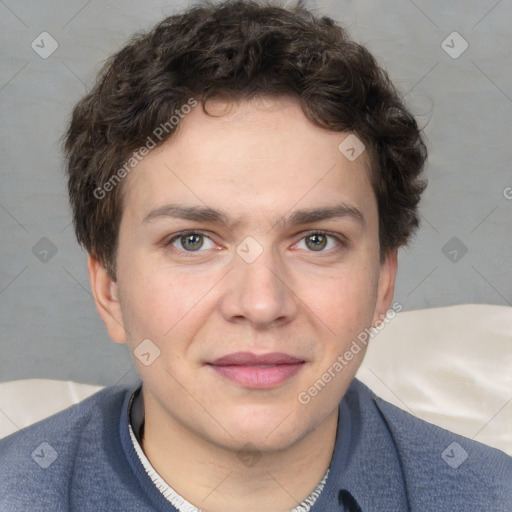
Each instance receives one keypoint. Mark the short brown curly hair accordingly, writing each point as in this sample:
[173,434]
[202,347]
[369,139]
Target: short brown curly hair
[239,49]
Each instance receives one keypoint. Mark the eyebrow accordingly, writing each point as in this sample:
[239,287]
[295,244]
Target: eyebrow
[302,216]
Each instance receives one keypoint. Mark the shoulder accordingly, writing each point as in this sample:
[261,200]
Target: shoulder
[45,455]
[69,422]
[439,463]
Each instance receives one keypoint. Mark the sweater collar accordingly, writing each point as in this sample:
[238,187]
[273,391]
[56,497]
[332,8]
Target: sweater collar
[365,472]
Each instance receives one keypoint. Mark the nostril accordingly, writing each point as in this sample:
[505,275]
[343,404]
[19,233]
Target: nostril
[348,501]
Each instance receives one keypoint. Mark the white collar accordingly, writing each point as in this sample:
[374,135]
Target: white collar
[136,415]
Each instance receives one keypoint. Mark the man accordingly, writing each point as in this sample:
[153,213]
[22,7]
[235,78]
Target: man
[242,177]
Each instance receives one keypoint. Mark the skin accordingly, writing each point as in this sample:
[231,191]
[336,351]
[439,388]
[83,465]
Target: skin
[258,162]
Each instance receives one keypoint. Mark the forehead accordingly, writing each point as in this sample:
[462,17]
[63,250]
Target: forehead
[261,155]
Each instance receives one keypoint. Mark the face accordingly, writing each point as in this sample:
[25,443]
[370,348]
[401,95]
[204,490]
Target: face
[249,257]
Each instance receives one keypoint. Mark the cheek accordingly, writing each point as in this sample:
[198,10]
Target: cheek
[345,302]
[157,303]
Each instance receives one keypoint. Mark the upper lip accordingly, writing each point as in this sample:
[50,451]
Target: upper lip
[249,359]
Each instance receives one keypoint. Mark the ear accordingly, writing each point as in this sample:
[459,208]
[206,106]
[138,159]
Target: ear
[106,297]
[386,286]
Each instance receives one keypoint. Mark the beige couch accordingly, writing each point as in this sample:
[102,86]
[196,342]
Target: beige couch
[450,366]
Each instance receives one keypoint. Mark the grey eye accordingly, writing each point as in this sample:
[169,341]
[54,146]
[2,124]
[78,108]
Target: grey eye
[319,242]
[192,242]
[316,242]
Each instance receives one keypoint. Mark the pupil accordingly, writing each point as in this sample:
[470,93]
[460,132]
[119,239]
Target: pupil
[318,242]
[192,242]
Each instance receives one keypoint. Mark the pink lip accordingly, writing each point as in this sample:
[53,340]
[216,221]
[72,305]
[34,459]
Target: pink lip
[257,371]
[249,359]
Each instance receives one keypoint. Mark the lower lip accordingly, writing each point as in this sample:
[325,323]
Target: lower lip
[257,377]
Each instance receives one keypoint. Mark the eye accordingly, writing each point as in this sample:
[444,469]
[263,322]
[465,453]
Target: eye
[319,241]
[191,242]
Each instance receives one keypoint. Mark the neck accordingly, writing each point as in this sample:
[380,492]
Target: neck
[216,479]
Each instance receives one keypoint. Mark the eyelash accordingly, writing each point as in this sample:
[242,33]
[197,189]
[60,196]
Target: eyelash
[342,242]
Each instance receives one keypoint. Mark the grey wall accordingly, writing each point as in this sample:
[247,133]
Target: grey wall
[49,325]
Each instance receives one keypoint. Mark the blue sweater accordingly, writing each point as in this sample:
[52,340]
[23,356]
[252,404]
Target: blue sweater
[385,460]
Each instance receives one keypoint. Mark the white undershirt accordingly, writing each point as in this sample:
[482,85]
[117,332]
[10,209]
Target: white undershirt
[183,505]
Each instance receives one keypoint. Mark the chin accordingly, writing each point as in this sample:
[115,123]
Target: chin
[258,442]
[268,431]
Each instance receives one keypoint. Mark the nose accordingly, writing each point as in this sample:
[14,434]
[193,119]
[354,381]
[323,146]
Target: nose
[259,292]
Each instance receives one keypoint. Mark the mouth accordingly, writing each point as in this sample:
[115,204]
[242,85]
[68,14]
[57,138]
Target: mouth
[254,371]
